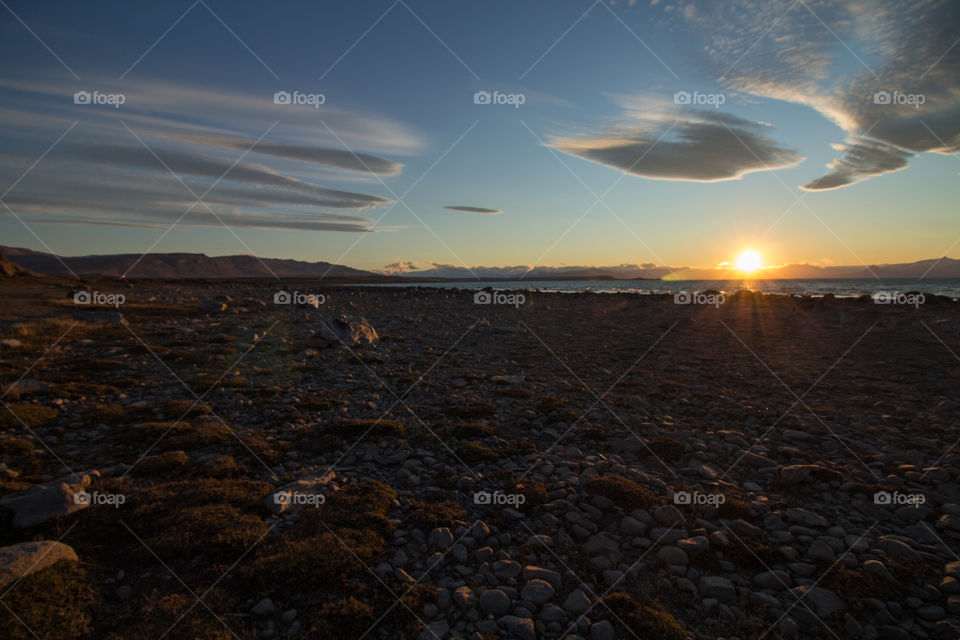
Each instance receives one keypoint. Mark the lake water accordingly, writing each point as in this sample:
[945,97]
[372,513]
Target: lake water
[840,287]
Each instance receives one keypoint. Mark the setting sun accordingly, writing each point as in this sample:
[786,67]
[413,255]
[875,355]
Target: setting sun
[748,261]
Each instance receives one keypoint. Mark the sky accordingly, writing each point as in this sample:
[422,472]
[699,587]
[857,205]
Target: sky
[399,135]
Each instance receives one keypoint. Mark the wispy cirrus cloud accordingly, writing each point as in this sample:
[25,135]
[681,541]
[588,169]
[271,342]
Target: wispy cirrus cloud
[469,209]
[114,168]
[887,73]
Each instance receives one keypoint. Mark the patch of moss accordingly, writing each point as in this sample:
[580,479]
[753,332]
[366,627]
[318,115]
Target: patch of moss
[361,506]
[182,435]
[154,507]
[666,447]
[515,447]
[346,618]
[162,463]
[106,413]
[318,402]
[473,430]
[474,452]
[734,508]
[514,392]
[53,603]
[535,493]
[430,515]
[16,446]
[643,620]
[220,467]
[20,415]
[176,616]
[473,410]
[623,491]
[377,428]
[291,564]
[217,532]
[183,408]
[596,432]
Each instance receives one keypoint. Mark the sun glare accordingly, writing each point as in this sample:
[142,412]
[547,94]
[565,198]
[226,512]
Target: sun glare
[748,261]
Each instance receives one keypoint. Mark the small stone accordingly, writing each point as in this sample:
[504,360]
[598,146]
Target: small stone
[823,601]
[538,591]
[494,602]
[821,551]
[520,628]
[602,630]
[531,572]
[441,538]
[506,569]
[464,597]
[264,607]
[669,515]
[576,603]
[718,587]
[672,556]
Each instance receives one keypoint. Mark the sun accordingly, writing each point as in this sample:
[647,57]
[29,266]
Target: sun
[748,261]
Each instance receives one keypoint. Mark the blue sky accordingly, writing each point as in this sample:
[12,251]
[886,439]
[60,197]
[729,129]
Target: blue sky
[599,165]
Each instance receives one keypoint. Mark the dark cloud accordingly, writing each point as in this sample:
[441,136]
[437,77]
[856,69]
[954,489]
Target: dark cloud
[467,209]
[862,159]
[698,146]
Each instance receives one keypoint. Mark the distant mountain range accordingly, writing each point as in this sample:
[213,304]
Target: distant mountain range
[197,265]
[178,265]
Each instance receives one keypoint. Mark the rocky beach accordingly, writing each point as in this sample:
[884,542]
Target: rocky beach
[248,459]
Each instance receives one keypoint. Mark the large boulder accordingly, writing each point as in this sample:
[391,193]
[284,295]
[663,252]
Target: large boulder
[20,560]
[350,331]
[41,502]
